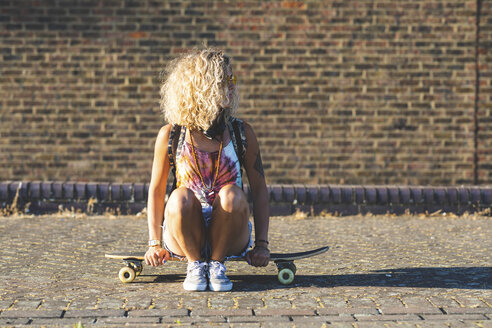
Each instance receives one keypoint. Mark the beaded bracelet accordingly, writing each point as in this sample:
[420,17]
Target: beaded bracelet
[262,241]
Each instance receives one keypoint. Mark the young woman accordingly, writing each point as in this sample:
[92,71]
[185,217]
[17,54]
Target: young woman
[206,218]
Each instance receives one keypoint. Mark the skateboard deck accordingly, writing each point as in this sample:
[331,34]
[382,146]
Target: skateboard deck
[133,263]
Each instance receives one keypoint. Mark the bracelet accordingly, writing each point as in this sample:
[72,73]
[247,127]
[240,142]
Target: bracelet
[155,242]
[262,241]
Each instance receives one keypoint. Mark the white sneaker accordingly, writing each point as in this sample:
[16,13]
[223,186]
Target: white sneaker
[196,276]
[218,280]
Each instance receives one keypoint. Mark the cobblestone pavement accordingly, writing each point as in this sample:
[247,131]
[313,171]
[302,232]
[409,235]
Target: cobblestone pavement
[381,271]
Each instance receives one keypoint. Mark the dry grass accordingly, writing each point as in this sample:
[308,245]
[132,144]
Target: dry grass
[14,208]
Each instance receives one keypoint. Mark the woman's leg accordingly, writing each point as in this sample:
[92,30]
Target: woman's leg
[185,232]
[229,230]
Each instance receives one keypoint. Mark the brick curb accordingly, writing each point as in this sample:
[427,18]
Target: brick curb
[129,198]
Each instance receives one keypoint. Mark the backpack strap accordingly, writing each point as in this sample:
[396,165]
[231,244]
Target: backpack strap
[180,141]
[239,137]
[171,151]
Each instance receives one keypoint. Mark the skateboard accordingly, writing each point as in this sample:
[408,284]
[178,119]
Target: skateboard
[133,263]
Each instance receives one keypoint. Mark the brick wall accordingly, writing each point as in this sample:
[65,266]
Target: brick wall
[352,92]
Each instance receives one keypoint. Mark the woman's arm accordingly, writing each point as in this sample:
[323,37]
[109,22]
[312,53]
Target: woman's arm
[260,256]
[157,194]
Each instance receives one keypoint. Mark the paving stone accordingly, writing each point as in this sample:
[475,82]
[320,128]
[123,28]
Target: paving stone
[214,312]
[483,324]
[410,310]
[128,320]
[470,302]
[53,305]
[235,319]
[158,313]
[207,319]
[277,312]
[27,304]
[344,324]
[415,301]
[387,317]
[110,303]
[339,318]
[93,313]
[5,304]
[71,322]
[247,324]
[462,310]
[432,317]
[388,302]
[165,303]
[249,303]
[305,302]
[337,302]
[31,314]
[277,303]
[221,303]
[440,301]
[190,302]
[138,303]
[335,311]
[298,319]
[361,302]
[83,304]
[14,321]
[389,324]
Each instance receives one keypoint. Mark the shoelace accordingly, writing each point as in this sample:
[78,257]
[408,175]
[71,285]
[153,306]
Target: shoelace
[196,268]
[217,269]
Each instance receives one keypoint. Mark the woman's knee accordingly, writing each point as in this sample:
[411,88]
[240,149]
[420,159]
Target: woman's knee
[182,202]
[233,199]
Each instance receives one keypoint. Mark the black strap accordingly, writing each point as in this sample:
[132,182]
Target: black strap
[238,129]
[171,151]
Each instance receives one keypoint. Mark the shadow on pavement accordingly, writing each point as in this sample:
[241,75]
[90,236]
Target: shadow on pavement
[456,277]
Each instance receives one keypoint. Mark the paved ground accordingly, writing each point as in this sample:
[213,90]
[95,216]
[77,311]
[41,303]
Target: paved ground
[381,271]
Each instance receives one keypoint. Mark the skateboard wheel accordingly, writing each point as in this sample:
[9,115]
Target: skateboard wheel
[126,274]
[286,276]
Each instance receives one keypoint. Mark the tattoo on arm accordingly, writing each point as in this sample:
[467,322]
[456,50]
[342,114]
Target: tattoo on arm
[259,165]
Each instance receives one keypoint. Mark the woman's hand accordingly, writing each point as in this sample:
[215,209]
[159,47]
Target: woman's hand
[258,256]
[156,256]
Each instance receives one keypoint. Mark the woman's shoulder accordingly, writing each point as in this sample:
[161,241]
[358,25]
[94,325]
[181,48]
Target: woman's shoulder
[246,126]
[248,129]
[163,135]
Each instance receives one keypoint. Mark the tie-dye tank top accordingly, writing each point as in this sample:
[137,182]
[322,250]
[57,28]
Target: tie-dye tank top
[187,171]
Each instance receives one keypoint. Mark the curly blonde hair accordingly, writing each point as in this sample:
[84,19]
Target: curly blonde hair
[196,89]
